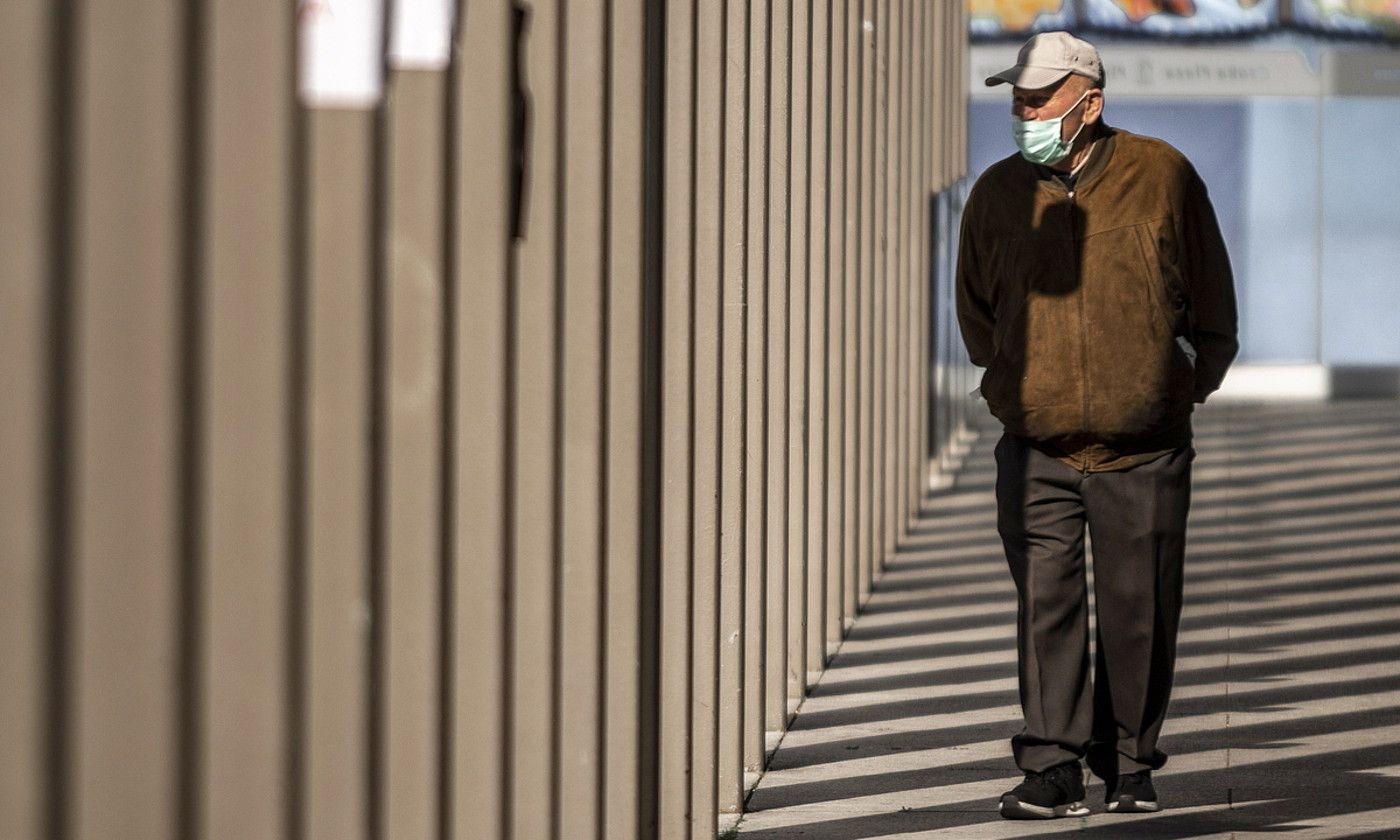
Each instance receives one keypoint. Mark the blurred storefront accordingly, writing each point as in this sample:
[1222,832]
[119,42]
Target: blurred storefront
[1290,113]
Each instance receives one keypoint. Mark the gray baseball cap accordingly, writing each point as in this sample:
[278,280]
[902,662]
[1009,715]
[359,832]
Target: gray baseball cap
[1047,58]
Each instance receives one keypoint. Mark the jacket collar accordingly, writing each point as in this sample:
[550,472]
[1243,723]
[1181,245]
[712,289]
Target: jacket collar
[1098,160]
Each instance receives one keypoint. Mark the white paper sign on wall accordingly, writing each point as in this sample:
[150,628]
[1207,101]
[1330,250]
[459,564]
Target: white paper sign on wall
[342,61]
[420,37]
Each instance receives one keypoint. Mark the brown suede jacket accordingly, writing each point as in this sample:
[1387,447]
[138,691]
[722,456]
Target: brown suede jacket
[1103,313]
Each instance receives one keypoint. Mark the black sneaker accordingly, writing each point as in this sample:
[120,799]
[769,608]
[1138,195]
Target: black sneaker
[1057,792]
[1133,794]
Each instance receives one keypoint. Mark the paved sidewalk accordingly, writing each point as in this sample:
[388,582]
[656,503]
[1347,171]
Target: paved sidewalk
[1286,715]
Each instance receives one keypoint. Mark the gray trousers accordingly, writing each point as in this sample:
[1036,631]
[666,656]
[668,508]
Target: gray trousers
[1136,519]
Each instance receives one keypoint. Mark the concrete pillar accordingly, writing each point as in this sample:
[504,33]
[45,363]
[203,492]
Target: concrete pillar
[734,734]
[483,283]
[250,239]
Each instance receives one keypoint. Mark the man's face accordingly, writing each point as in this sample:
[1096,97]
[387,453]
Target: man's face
[1057,100]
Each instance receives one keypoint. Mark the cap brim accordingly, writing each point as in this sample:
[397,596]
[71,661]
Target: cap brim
[1030,78]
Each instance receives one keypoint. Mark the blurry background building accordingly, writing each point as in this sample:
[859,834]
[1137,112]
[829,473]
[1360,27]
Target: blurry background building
[444,419]
[1291,113]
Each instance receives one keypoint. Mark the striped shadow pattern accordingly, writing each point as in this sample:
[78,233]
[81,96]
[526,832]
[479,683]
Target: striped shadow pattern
[1286,713]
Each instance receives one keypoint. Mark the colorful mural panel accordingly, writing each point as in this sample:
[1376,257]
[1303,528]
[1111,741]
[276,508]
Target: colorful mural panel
[1355,17]
[1005,18]
[1182,17]
[1009,19]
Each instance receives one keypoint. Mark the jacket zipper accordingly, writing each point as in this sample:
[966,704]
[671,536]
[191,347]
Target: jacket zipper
[1083,325]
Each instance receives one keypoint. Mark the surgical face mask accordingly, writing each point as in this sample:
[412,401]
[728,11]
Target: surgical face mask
[1039,140]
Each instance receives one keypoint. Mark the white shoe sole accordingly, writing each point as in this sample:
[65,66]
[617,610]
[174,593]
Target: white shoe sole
[1012,808]
[1128,805]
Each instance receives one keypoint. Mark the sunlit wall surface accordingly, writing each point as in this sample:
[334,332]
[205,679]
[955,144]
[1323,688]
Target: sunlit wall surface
[1297,142]
[481,429]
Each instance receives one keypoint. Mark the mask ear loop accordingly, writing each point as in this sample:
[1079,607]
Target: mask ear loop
[1070,109]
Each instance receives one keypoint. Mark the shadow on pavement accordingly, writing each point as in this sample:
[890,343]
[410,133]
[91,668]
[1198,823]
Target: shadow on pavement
[1286,714]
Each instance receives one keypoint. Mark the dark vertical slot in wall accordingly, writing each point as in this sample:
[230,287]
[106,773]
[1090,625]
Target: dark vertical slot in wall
[604,431]
[447,441]
[297,430]
[556,505]
[376,513]
[62,70]
[519,137]
[189,625]
[690,325]
[652,287]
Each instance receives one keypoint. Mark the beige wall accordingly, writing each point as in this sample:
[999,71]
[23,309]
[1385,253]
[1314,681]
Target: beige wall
[334,509]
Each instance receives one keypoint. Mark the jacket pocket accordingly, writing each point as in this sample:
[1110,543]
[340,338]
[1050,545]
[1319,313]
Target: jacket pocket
[1161,285]
[1165,287]
[1153,284]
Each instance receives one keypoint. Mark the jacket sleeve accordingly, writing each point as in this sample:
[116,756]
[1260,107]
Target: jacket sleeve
[1210,285]
[975,317]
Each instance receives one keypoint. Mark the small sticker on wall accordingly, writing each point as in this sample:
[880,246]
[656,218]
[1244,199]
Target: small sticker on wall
[342,63]
[420,37]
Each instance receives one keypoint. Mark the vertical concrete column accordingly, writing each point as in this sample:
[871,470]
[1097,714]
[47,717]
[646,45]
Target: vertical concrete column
[881,242]
[708,219]
[916,315]
[894,511]
[128,525]
[836,226]
[27,150]
[412,456]
[897,513]
[894,298]
[894,249]
[623,764]
[855,100]
[734,687]
[926,202]
[249,230]
[480,401]
[949,37]
[583,379]
[935,406]
[820,190]
[799,283]
[536,394]
[960,87]
[675,803]
[341,291]
[930,168]
[776,392]
[756,391]
[870,116]
[914,237]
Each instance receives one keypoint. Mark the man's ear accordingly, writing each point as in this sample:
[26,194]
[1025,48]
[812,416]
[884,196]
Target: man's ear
[1095,109]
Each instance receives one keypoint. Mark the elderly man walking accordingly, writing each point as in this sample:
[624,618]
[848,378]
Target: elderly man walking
[1094,287]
